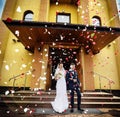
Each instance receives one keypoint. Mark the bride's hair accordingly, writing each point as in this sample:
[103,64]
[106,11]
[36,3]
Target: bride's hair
[59,65]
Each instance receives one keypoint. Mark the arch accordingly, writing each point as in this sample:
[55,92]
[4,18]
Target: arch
[96,21]
[28,15]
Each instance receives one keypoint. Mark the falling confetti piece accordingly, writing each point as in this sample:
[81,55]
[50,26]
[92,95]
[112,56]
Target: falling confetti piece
[31,112]
[24,65]
[7,92]
[9,20]
[17,32]
[43,67]
[43,111]
[49,89]
[26,109]
[45,50]
[36,84]
[8,112]
[12,91]
[44,82]
[18,9]
[16,50]
[46,55]
[30,38]
[57,3]
[7,67]
[78,2]
[39,93]
[5,82]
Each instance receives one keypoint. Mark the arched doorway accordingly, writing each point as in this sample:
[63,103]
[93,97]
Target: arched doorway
[66,56]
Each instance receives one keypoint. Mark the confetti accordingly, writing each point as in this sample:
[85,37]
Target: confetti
[12,91]
[43,111]
[26,109]
[24,65]
[30,38]
[78,2]
[43,67]
[49,89]
[7,92]
[7,112]
[16,50]
[7,67]
[9,20]
[57,3]
[18,9]
[46,55]
[17,32]
[45,50]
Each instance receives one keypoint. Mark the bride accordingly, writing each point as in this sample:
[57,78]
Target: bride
[60,104]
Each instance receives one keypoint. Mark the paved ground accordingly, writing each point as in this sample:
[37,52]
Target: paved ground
[89,112]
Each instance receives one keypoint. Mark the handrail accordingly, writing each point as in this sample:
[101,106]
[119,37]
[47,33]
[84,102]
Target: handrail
[15,78]
[101,76]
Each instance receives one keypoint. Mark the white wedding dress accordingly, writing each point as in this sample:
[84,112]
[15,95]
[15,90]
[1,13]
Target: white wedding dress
[60,104]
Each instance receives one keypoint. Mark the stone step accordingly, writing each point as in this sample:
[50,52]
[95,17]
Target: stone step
[49,112]
[51,98]
[87,94]
[47,104]
[42,99]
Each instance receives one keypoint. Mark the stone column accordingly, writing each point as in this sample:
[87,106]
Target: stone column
[44,10]
[83,12]
[88,79]
[113,12]
[80,69]
[35,81]
[40,63]
[4,32]
[115,22]
[44,67]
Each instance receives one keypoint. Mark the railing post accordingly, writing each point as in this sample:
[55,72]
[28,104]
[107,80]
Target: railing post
[14,78]
[14,84]
[101,76]
[25,81]
[110,86]
[100,83]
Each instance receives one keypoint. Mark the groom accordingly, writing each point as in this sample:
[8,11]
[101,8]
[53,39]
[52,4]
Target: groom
[73,84]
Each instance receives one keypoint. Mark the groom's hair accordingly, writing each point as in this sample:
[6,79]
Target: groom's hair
[72,64]
[60,63]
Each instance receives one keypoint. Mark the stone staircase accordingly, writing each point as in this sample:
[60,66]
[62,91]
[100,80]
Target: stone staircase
[21,100]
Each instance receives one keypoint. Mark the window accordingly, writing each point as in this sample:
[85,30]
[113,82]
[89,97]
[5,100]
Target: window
[28,16]
[2,4]
[118,7]
[96,21]
[63,18]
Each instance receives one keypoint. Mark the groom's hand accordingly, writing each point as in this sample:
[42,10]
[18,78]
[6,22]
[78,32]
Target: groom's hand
[71,78]
[74,80]
[80,85]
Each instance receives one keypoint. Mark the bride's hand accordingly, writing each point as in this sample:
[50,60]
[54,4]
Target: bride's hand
[74,80]
[71,79]
[80,85]
[56,78]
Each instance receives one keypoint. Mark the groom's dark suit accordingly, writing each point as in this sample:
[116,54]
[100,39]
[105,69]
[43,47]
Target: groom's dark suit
[73,86]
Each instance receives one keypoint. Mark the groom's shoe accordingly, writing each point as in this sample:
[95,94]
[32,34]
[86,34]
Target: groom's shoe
[81,110]
[72,110]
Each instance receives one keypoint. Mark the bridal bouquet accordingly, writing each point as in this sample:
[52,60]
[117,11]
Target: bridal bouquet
[59,75]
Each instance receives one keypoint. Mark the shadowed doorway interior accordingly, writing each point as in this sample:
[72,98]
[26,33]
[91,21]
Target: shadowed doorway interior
[64,55]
